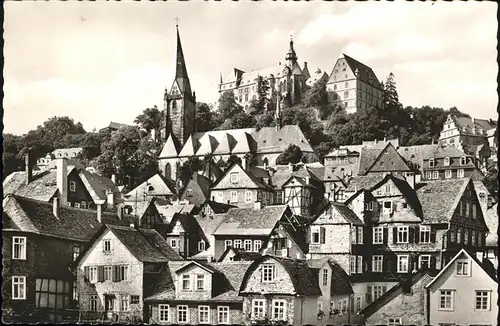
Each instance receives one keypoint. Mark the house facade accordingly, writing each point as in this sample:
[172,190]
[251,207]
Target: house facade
[450,162]
[281,290]
[464,292]
[460,131]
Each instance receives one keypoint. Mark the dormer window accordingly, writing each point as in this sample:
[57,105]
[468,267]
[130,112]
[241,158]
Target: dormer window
[268,272]
[446,161]
[186,282]
[431,162]
[463,160]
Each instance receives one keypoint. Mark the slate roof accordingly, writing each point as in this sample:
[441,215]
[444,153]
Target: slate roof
[347,213]
[146,245]
[168,211]
[171,148]
[250,221]
[365,73]
[367,157]
[118,125]
[387,157]
[466,123]
[209,224]
[396,290]
[157,185]
[270,140]
[226,282]
[440,198]
[340,280]
[33,216]
[417,154]
[189,224]
[255,181]
[364,182]
[304,278]
[240,254]
[316,76]
[43,186]
[97,185]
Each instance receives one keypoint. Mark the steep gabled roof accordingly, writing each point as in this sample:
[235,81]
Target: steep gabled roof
[304,278]
[181,75]
[364,73]
[386,159]
[270,140]
[226,145]
[199,187]
[97,185]
[171,148]
[190,147]
[485,266]
[157,185]
[208,145]
[364,182]
[252,182]
[240,254]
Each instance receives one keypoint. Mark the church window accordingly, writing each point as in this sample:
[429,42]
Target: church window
[174,107]
[168,171]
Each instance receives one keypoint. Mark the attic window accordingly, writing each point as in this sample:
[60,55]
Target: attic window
[151,188]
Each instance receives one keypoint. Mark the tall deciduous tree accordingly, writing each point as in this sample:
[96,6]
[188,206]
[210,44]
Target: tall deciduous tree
[149,119]
[228,107]
[292,154]
[204,117]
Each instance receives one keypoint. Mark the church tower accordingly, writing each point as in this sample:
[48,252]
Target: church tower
[180,102]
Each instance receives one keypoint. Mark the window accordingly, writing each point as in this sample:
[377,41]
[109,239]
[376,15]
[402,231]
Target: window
[431,162]
[358,303]
[19,248]
[93,274]
[346,83]
[200,282]
[173,243]
[378,290]
[72,186]
[257,244]
[223,315]
[163,312]
[201,245]
[248,245]
[388,189]
[83,204]
[403,234]
[463,160]
[234,196]
[353,264]
[378,235]
[235,177]
[473,237]
[377,263]
[360,235]
[402,263]
[369,206]
[466,236]
[482,300]
[394,322]
[446,300]
[258,309]
[268,272]
[447,174]
[189,193]
[474,211]
[186,282]
[77,205]
[279,310]
[182,314]
[124,303]
[107,273]
[134,299]
[435,175]
[93,303]
[360,264]
[387,207]
[325,277]
[424,260]
[18,287]
[446,161]
[204,314]
[51,293]
[106,246]
[346,94]
[248,196]
[227,243]
[463,267]
[76,251]
[460,173]
[237,244]
[123,272]
[425,234]
[428,175]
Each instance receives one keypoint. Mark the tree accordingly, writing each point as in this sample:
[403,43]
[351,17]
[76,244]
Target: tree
[149,119]
[265,120]
[317,95]
[240,120]
[292,154]
[228,107]
[12,161]
[193,164]
[128,155]
[391,98]
[204,117]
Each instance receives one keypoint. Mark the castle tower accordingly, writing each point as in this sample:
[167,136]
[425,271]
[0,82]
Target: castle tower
[180,102]
[291,56]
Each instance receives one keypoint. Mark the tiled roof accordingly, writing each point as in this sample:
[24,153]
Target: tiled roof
[240,254]
[250,221]
[209,224]
[340,280]
[365,73]
[13,181]
[37,217]
[364,182]
[226,282]
[168,211]
[396,290]
[270,140]
[97,185]
[466,124]
[317,75]
[347,213]
[145,244]
[387,158]
[251,182]
[417,154]
[440,198]
[366,159]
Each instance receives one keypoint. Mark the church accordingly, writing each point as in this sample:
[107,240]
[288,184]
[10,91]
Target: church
[181,140]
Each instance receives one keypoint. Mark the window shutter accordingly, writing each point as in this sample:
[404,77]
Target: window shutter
[100,273]
[115,273]
[390,264]
[433,235]
[308,235]
[322,234]
[384,289]
[368,294]
[394,234]
[86,273]
[433,262]
[411,234]
[386,235]
[417,234]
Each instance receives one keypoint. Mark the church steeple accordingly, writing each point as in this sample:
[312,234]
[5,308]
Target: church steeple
[181,74]
[291,56]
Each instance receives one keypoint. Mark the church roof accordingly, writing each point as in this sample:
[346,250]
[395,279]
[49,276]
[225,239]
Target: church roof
[208,145]
[318,75]
[226,145]
[190,147]
[171,147]
[181,75]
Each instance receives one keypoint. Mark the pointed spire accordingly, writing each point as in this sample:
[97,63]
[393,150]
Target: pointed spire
[291,56]
[180,70]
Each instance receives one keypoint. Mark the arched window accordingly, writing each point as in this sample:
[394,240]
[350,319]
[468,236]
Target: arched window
[265,161]
[174,106]
[168,171]
[151,188]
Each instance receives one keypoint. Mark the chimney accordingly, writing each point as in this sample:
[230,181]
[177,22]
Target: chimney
[29,168]
[244,163]
[257,205]
[99,213]
[113,178]
[410,178]
[110,198]
[290,167]
[265,165]
[305,64]
[55,207]
[308,180]
[62,180]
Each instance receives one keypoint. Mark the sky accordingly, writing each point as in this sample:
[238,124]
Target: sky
[98,62]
